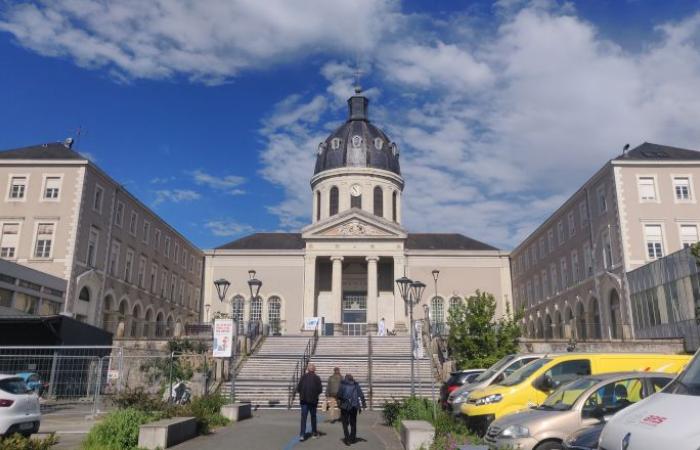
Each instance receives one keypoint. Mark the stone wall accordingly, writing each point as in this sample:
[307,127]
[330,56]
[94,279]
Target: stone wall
[666,346]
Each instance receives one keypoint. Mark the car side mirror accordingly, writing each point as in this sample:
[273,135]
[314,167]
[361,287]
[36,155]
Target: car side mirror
[598,413]
[499,378]
[544,383]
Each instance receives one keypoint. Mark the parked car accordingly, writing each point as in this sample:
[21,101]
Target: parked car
[19,407]
[494,374]
[33,382]
[530,385]
[456,380]
[585,438]
[584,402]
[667,420]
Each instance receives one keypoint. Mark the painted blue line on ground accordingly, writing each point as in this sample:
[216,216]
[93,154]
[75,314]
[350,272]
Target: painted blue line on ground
[295,440]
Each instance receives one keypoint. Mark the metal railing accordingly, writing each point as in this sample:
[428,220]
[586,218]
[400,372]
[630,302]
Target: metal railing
[689,330]
[354,329]
[300,367]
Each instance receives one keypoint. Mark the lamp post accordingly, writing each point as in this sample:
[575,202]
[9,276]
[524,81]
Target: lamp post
[222,286]
[411,292]
[206,312]
[254,285]
[436,275]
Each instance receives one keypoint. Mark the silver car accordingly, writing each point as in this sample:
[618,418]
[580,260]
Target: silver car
[581,403]
[493,375]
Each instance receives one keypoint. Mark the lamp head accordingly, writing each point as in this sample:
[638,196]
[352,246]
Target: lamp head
[404,284]
[222,285]
[436,274]
[417,289]
[254,284]
[251,274]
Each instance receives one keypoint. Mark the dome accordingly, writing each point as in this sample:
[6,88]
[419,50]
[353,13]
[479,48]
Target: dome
[358,143]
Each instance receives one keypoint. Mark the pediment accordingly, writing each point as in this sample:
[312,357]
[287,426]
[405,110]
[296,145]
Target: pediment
[356,224]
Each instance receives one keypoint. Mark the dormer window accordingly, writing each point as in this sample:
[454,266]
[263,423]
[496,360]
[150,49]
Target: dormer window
[321,147]
[394,149]
[378,143]
[356,141]
[335,143]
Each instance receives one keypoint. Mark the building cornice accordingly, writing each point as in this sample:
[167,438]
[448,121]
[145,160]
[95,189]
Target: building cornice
[354,171]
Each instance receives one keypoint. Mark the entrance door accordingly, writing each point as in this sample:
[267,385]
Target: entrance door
[354,313]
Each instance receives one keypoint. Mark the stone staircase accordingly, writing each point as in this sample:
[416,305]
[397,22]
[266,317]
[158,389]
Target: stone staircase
[263,380]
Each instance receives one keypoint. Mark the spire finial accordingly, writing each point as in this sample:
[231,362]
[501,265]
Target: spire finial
[357,74]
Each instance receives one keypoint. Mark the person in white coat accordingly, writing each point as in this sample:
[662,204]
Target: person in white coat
[381,331]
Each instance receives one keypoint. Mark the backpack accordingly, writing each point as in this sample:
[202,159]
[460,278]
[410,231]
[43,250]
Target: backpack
[346,402]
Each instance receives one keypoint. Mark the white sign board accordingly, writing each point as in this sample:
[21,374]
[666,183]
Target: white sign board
[223,338]
[418,340]
[311,323]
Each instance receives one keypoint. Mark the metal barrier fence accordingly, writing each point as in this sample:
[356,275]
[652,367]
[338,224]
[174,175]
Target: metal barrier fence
[689,330]
[88,378]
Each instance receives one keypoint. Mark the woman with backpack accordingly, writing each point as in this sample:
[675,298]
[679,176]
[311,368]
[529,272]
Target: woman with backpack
[352,401]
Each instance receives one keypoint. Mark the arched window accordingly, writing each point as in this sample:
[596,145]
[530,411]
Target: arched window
[556,330]
[84,294]
[615,316]
[538,328]
[256,309]
[455,302]
[548,331]
[437,314]
[274,314]
[318,205]
[147,328]
[238,308]
[107,313]
[170,328]
[123,307]
[595,319]
[581,322]
[378,201]
[135,315]
[393,206]
[333,202]
[160,325]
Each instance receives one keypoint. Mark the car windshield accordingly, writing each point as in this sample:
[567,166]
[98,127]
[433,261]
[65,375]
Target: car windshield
[493,370]
[564,397]
[688,382]
[524,372]
[13,386]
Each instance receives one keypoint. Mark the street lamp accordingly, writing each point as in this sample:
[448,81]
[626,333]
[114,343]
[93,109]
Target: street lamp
[436,275]
[254,285]
[411,292]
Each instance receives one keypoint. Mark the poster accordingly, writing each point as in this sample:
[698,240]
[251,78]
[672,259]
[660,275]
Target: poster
[418,340]
[223,338]
[311,323]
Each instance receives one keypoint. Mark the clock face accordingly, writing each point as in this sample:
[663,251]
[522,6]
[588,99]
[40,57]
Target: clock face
[355,190]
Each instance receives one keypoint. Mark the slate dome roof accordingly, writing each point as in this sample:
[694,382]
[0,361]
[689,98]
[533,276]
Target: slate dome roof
[358,143]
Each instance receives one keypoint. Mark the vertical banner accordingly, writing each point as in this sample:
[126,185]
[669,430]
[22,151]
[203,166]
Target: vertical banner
[223,338]
[418,340]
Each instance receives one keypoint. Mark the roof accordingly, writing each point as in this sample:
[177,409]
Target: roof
[53,150]
[358,143]
[655,152]
[417,241]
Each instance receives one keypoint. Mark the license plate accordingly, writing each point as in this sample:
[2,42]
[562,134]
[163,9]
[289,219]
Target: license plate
[26,426]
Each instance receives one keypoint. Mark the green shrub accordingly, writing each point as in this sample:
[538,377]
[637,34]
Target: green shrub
[139,399]
[207,411]
[19,442]
[119,430]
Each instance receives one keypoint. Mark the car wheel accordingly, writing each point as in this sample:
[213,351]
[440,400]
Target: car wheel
[550,445]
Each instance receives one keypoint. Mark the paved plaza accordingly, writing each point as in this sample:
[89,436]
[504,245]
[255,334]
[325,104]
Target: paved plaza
[270,429]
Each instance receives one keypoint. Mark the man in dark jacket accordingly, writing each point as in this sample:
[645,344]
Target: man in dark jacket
[351,399]
[332,388]
[309,388]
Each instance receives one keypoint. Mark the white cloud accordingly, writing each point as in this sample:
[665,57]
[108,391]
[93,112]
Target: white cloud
[175,195]
[227,183]
[162,180]
[206,40]
[227,227]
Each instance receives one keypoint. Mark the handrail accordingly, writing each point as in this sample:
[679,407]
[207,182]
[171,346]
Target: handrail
[300,368]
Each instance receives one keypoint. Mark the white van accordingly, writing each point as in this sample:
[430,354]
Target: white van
[666,420]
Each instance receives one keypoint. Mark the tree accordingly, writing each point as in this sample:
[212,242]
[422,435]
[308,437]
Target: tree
[477,338]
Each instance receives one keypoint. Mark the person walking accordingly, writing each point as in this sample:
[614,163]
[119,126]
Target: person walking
[381,331]
[309,388]
[352,401]
[332,388]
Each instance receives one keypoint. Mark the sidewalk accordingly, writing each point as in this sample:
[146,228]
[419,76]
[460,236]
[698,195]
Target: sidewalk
[269,429]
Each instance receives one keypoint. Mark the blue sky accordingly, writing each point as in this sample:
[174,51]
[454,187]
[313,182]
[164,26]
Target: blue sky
[211,111]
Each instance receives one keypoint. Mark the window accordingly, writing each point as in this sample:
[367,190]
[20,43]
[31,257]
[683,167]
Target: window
[335,143]
[44,240]
[274,308]
[569,371]
[9,240]
[128,266]
[550,238]
[689,235]
[681,186]
[167,246]
[602,200]
[146,231]
[318,205]
[164,283]
[394,207]
[333,202]
[133,222]
[84,295]
[572,223]
[156,239]
[191,263]
[583,212]
[614,397]
[356,201]
[560,232]
[97,200]
[575,275]
[141,274]
[197,297]
[536,289]
[182,291]
[543,252]
[256,309]
[437,312]
[564,273]
[454,303]
[529,292]
[154,277]
[119,214]
[18,187]
[647,189]
[545,284]
[114,258]
[52,187]
[554,278]
[378,201]
[654,241]
[177,253]
[587,260]
[607,250]
[92,247]
[238,309]
[173,286]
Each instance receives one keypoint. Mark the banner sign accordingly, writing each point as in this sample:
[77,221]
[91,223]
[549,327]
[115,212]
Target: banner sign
[223,338]
[418,340]
[311,323]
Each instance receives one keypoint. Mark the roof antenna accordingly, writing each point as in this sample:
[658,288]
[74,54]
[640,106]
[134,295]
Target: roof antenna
[624,149]
[68,142]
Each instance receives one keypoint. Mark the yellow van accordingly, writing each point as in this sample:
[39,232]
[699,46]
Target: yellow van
[531,384]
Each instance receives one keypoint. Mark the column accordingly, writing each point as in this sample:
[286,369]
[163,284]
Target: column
[372,297]
[336,290]
[309,288]
[400,311]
